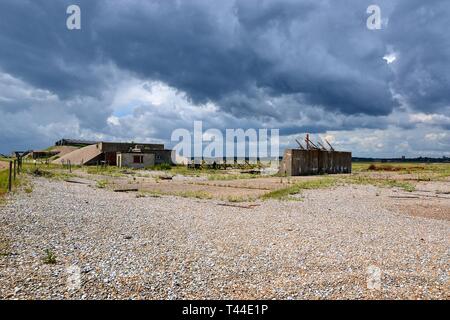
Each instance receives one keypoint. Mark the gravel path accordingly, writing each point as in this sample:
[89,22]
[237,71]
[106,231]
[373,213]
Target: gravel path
[328,246]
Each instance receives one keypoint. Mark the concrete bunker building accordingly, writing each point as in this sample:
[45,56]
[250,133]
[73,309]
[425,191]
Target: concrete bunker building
[315,159]
[136,155]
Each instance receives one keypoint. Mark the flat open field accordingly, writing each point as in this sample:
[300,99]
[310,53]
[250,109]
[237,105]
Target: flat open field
[217,236]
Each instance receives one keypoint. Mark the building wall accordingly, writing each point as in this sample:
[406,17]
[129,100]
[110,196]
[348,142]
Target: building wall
[298,162]
[43,154]
[163,156]
[125,147]
[112,149]
[127,160]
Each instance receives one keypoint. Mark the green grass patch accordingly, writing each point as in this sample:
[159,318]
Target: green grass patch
[184,194]
[288,192]
[49,257]
[152,193]
[160,167]
[4,178]
[226,177]
[102,184]
[111,171]
[238,199]
[5,247]
[194,194]
[49,173]
[425,171]
[390,183]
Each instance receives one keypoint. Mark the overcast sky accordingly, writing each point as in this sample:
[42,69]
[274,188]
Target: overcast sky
[139,69]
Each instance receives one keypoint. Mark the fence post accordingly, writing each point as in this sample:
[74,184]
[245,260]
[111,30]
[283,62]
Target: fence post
[10,176]
[15,168]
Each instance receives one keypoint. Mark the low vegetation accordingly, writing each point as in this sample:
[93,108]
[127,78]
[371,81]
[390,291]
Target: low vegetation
[28,189]
[4,176]
[5,247]
[194,194]
[49,257]
[392,175]
[160,167]
[49,173]
[225,177]
[111,171]
[424,171]
[237,199]
[288,192]
[101,184]
[185,194]
[380,182]
[4,181]
[37,172]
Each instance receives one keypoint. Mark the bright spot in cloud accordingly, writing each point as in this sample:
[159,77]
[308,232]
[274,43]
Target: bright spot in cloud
[390,58]
[113,120]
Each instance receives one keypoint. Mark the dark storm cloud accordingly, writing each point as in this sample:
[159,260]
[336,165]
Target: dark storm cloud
[213,50]
[419,35]
[37,47]
[309,65]
[210,50]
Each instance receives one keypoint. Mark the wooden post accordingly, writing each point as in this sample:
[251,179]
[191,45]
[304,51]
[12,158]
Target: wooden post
[10,176]
[15,168]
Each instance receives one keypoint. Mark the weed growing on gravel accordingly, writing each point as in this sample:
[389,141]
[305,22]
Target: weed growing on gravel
[101,184]
[391,183]
[49,173]
[111,171]
[154,195]
[286,193]
[37,172]
[49,257]
[160,167]
[183,194]
[400,184]
[194,194]
[4,177]
[4,247]
[3,182]
[222,177]
[431,171]
[237,199]
[150,193]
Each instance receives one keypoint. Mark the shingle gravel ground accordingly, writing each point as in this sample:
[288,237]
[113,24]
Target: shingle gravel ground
[177,248]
